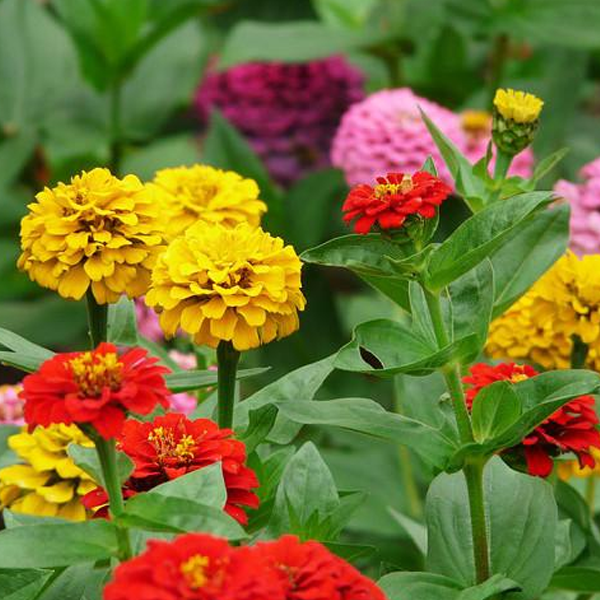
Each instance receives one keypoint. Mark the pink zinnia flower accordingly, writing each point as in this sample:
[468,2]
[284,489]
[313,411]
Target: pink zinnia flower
[11,406]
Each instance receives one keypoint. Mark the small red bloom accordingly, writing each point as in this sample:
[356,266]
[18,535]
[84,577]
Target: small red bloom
[97,387]
[194,567]
[171,446]
[308,571]
[572,428]
[393,199]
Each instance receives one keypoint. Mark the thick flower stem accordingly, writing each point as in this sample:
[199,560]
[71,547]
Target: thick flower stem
[473,472]
[97,319]
[503,161]
[108,461]
[227,359]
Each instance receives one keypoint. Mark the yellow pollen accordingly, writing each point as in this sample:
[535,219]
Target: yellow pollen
[194,571]
[167,447]
[518,377]
[382,190]
[94,372]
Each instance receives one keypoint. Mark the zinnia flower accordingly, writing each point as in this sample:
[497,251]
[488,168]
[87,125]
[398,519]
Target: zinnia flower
[217,283]
[11,406]
[563,303]
[517,106]
[96,388]
[190,194]
[584,199]
[194,566]
[385,133]
[49,483]
[393,199]
[572,468]
[287,112]
[572,428]
[171,446]
[98,232]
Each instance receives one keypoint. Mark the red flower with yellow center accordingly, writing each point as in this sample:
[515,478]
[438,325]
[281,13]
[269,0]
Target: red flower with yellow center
[572,428]
[97,388]
[171,446]
[194,567]
[394,199]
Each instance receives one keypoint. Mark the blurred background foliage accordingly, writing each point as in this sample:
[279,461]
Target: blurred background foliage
[112,82]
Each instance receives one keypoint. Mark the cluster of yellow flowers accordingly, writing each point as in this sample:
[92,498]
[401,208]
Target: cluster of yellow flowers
[540,326]
[190,239]
[518,106]
[48,482]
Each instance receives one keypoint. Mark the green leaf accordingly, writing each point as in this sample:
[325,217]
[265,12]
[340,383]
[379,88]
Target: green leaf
[156,512]
[224,147]
[367,416]
[521,517]
[479,236]
[87,459]
[7,456]
[547,164]
[22,584]
[415,530]
[345,14]
[187,381]
[528,254]
[577,579]
[57,544]
[385,347]
[298,41]
[261,421]
[122,324]
[19,344]
[23,362]
[495,408]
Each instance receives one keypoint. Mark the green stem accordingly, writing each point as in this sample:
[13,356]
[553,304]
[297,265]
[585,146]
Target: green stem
[227,359]
[579,353]
[108,461]
[590,493]
[115,126]
[503,162]
[474,476]
[97,319]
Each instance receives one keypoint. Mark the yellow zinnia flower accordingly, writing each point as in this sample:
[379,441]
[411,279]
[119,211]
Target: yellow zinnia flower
[571,468]
[563,303]
[49,483]
[200,192]
[236,284]
[517,106]
[97,232]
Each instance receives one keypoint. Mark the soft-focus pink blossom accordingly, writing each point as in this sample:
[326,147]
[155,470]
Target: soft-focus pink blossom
[147,322]
[11,406]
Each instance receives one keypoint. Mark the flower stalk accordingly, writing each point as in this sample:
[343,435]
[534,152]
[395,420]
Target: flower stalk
[227,358]
[97,319]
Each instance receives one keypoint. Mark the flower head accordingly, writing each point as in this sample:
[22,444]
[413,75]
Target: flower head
[172,445]
[190,194]
[96,388]
[540,326]
[572,428]
[218,283]
[48,482]
[584,200]
[274,106]
[195,566]
[11,406]
[97,232]
[517,106]
[393,199]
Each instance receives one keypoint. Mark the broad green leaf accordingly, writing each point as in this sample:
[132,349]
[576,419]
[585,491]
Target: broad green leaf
[299,41]
[577,579]
[366,416]
[205,486]
[479,236]
[87,459]
[415,530]
[187,381]
[528,254]
[521,515]
[122,325]
[57,544]
[495,408]
[156,512]
[548,163]
[82,582]
[19,344]
[345,14]
[22,584]
[394,288]
[261,421]
[23,362]
[351,553]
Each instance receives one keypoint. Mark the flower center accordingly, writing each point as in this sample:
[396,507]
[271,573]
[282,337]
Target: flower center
[518,377]
[383,190]
[194,571]
[93,372]
[167,447]
[195,196]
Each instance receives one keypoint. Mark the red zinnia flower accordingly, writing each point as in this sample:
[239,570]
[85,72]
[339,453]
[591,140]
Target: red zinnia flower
[97,387]
[572,428]
[393,199]
[171,446]
[308,571]
[194,567]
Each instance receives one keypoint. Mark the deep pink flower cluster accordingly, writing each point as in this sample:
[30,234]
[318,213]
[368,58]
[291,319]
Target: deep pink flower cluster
[288,112]
[584,199]
[385,133]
